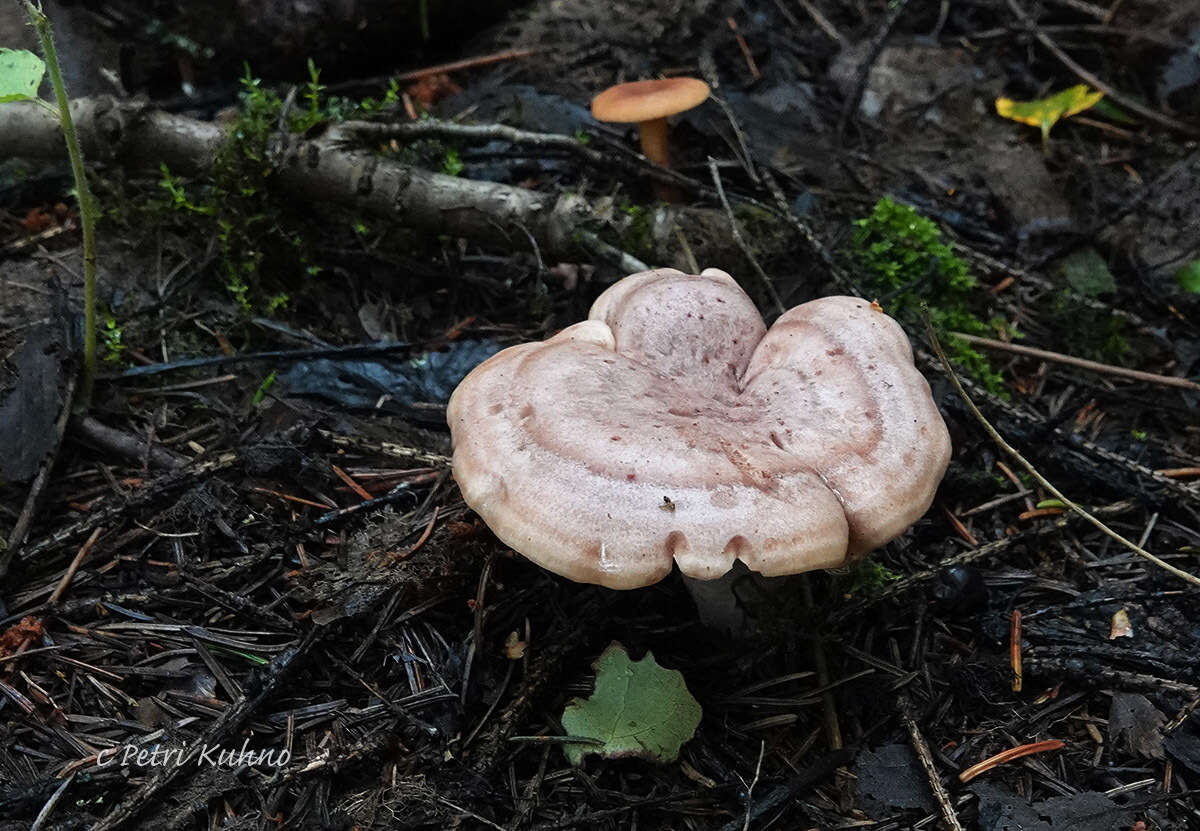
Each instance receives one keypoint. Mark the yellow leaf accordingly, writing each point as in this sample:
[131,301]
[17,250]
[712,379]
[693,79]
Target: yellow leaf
[1121,626]
[1046,112]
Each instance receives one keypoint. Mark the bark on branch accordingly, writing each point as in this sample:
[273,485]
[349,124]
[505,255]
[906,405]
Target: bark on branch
[324,170]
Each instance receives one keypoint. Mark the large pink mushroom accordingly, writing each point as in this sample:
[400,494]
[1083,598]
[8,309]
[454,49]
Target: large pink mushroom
[673,428]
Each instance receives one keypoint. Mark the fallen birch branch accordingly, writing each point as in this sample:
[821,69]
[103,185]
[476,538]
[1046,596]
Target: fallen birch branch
[328,169]
[314,170]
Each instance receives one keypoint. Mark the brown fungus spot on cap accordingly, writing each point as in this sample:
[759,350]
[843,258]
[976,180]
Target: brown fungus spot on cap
[793,449]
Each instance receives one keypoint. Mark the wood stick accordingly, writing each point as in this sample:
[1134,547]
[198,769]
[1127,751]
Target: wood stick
[821,20]
[921,748]
[466,63]
[71,569]
[321,170]
[29,510]
[1082,363]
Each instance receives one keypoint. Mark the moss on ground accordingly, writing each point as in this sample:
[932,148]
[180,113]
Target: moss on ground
[904,263]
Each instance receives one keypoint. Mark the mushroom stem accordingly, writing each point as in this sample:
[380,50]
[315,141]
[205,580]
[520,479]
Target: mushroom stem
[717,604]
[729,603]
[653,134]
[647,104]
[656,148]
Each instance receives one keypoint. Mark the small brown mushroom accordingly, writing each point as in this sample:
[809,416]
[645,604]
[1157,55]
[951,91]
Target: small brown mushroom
[672,427]
[648,104]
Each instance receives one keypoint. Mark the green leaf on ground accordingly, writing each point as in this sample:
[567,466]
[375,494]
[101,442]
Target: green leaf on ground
[21,73]
[638,710]
[1087,273]
[1188,277]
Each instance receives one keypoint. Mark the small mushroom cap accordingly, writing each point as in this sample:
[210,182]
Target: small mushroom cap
[639,101]
[673,427]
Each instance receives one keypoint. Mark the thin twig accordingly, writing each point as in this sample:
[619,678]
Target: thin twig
[762,746]
[622,261]
[468,812]
[864,69]
[508,674]
[821,20]
[350,483]
[843,280]
[741,41]
[1179,472]
[48,808]
[921,747]
[1014,650]
[71,569]
[1042,480]
[1087,77]
[1080,6]
[736,231]
[434,128]
[29,510]
[425,535]
[466,63]
[477,630]
[439,69]
[855,610]
[1082,363]
[833,727]
[125,444]
[795,785]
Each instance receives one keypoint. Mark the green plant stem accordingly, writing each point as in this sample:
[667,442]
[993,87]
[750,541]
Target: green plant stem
[423,17]
[87,206]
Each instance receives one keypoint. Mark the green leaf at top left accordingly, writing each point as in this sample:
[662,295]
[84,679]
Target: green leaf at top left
[21,73]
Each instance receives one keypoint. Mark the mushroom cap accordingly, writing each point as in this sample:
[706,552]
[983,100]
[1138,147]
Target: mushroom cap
[639,101]
[672,426]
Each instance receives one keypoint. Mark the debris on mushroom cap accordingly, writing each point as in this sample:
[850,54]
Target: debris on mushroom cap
[790,449]
[648,100]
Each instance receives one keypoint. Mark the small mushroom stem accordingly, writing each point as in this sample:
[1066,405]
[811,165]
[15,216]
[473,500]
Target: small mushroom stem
[728,603]
[653,134]
[657,149]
